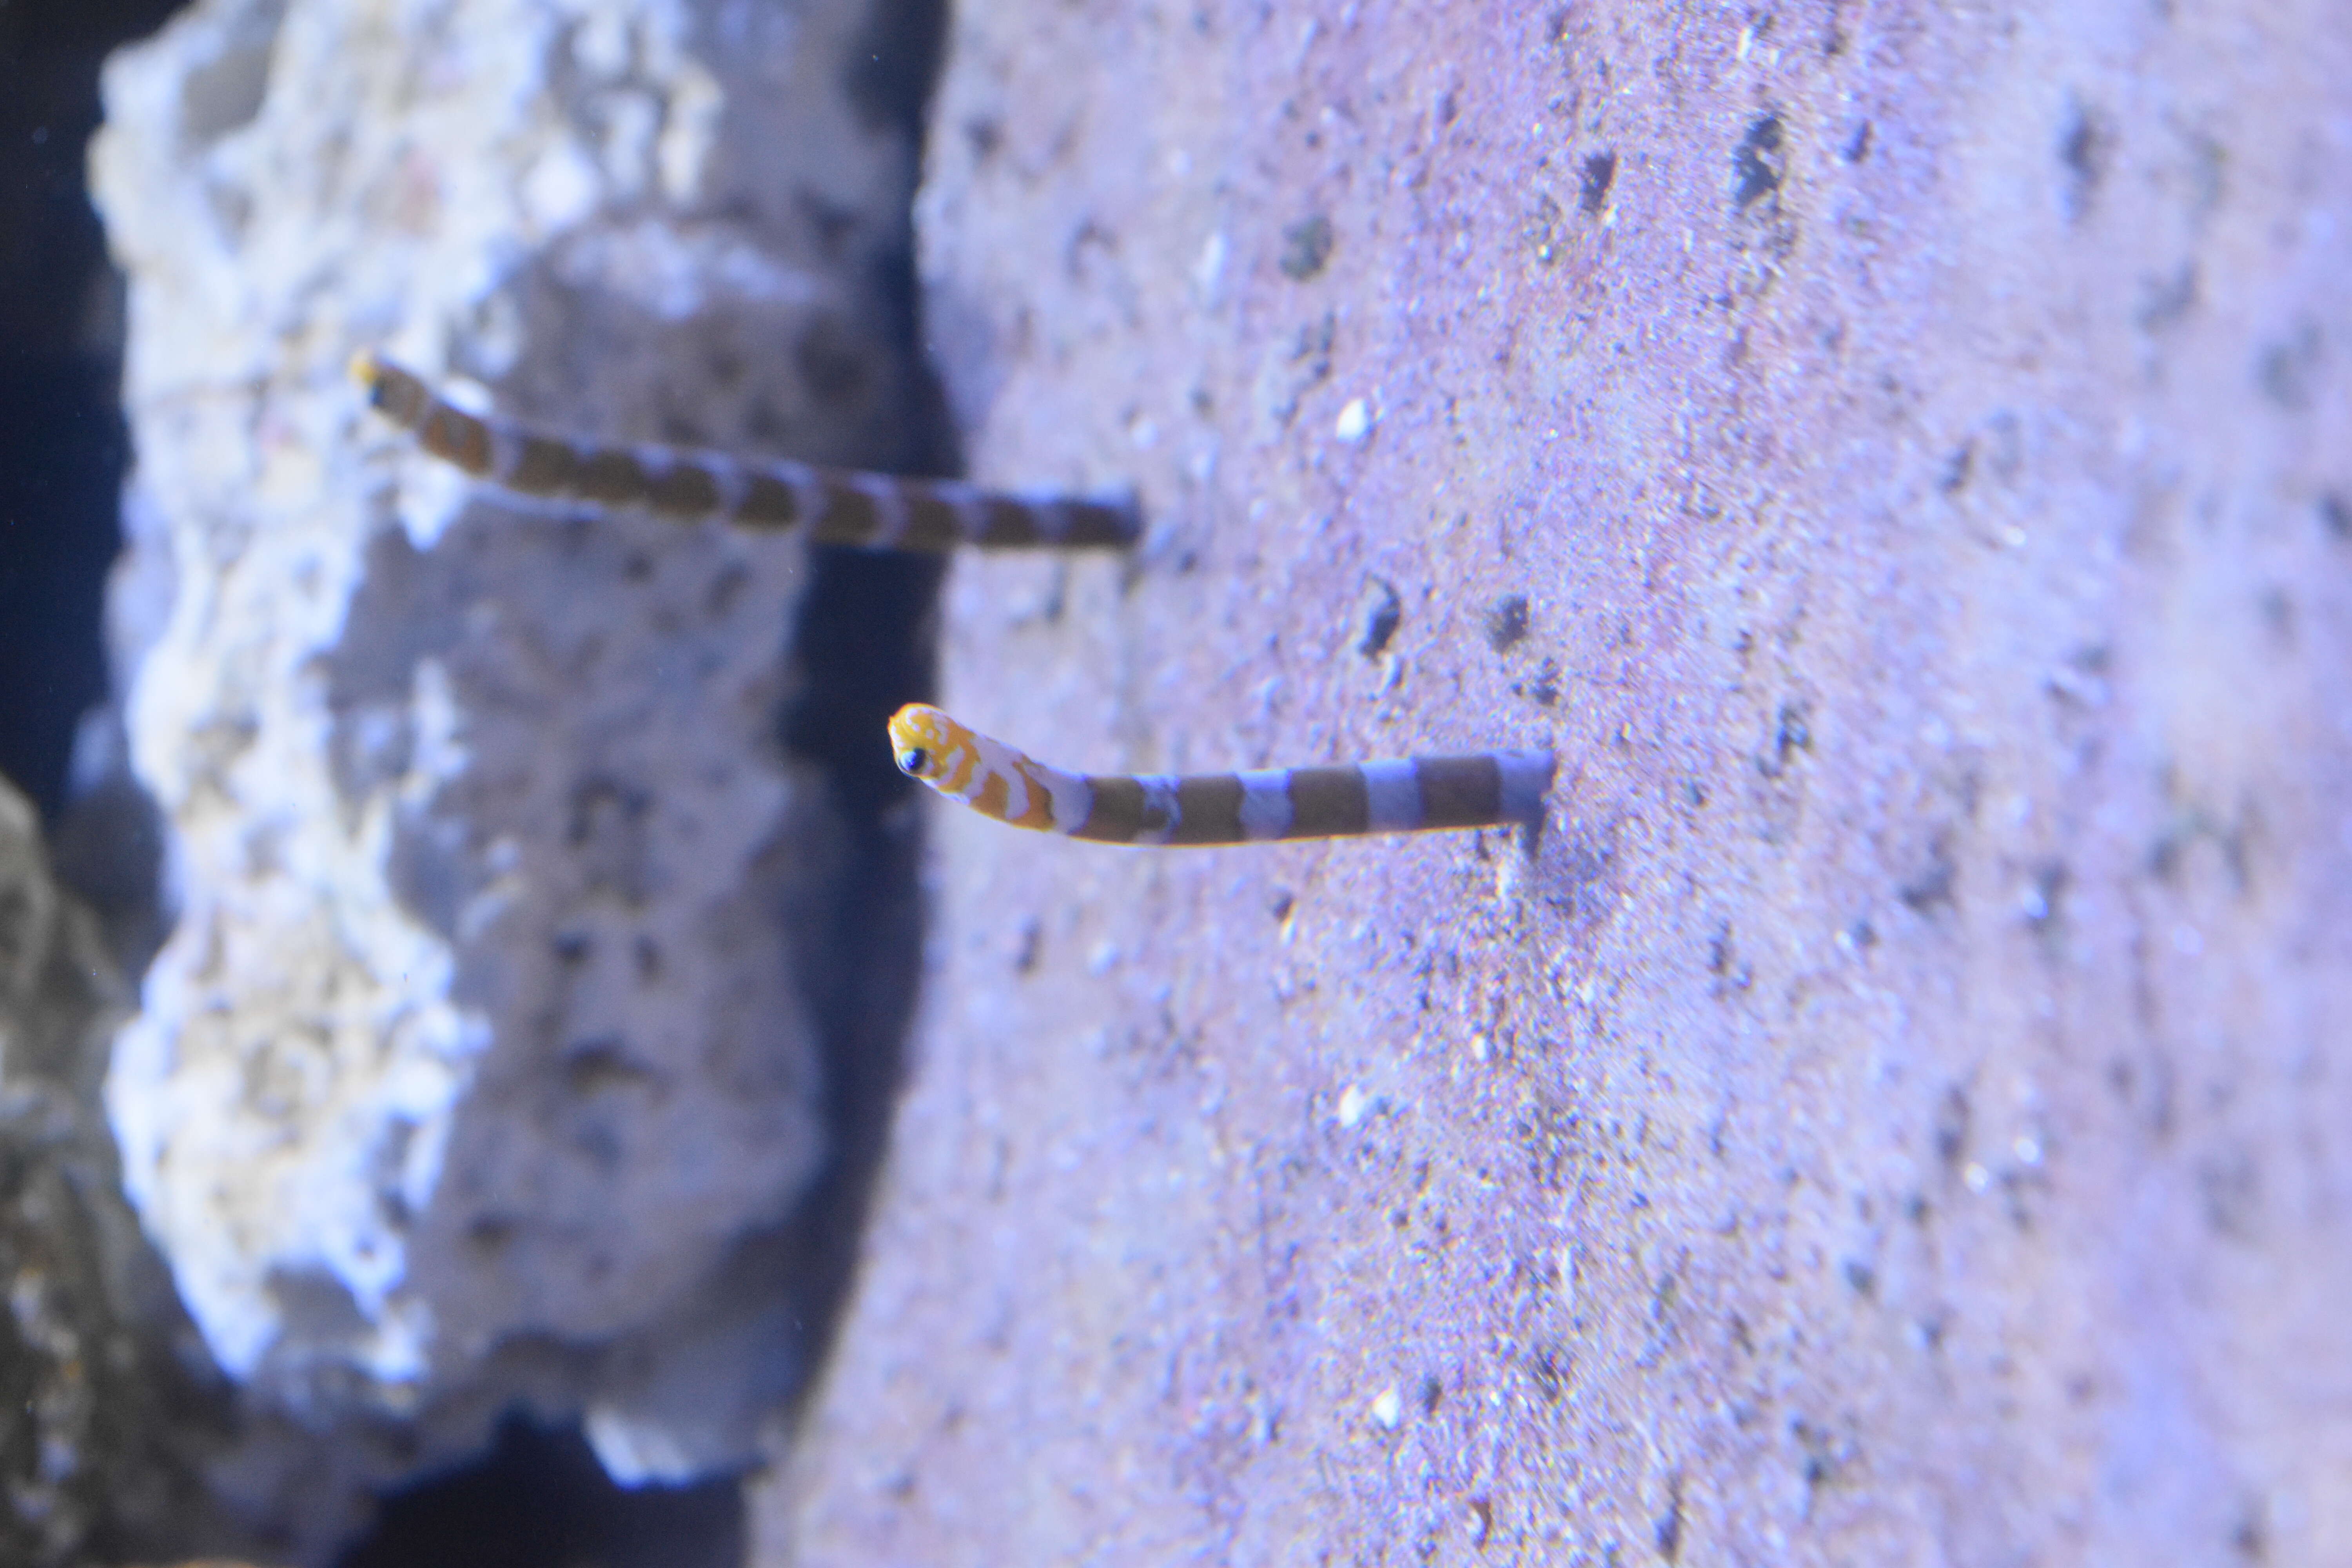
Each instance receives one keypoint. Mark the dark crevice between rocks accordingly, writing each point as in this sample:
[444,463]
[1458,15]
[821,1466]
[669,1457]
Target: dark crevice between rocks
[63,453]
[866,645]
[61,441]
[867,649]
[541,1501]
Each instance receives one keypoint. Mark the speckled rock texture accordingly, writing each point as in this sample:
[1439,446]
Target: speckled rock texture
[103,1436]
[1901,457]
[478,1066]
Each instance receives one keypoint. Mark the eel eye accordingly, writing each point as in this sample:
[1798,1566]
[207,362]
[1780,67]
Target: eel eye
[913,761]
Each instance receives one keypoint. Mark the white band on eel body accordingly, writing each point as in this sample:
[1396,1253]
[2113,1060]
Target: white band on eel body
[1265,803]
[1392,797]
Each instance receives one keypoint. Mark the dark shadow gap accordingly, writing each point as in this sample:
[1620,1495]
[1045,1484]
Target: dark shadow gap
[867,645]
[539,1500]
[61,460]
[62,442]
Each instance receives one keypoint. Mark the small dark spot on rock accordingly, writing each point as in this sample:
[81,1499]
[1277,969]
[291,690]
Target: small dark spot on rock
[1592,184]
[2251,1538]
[1281,904]
[2121,1077]
[2084,148]
[1544,690]
[607,830]
[1432,1392]
[1549,1366]
[1305,247]
[599,1144]
[2163,301]
[2230,1185]
[2278,615]
[590,1066]
[984,135]
[1380,612]
[1758,163]
[2003,447]
[1027,944]
[2081,682]
[2336,515]
[725,364]
[727,586]
[1449,104]
[2046,896]
[1669,1529]
[1794,734]
[1857,146]
[764,423]
[1313,346]
[1823,1455]
[1506,623]
[489,1233]
[1482,1520]
[1957,467]
[1952,1115]
[832,362]
[1932,886]
[2289,368]
[1860,1277]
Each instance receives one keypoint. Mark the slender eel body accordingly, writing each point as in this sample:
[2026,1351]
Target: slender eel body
[1484,791]
[831,506]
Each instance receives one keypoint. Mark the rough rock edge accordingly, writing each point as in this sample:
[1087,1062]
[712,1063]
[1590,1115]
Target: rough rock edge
[236,396]
[107,1416]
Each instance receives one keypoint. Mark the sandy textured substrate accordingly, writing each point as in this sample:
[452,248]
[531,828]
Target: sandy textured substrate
[1899,458]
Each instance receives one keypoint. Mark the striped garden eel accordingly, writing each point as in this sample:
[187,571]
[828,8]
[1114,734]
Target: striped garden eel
[831,506]
[1488,790]
[881,511]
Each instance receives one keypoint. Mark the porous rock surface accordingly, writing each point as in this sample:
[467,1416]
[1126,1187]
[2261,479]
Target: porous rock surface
[1901,457]
[103,1436]
[478,1065]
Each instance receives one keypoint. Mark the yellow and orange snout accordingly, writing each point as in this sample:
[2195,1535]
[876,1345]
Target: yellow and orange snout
[925,741]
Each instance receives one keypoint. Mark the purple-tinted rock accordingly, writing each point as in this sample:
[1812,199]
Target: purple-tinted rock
[1898,1113]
